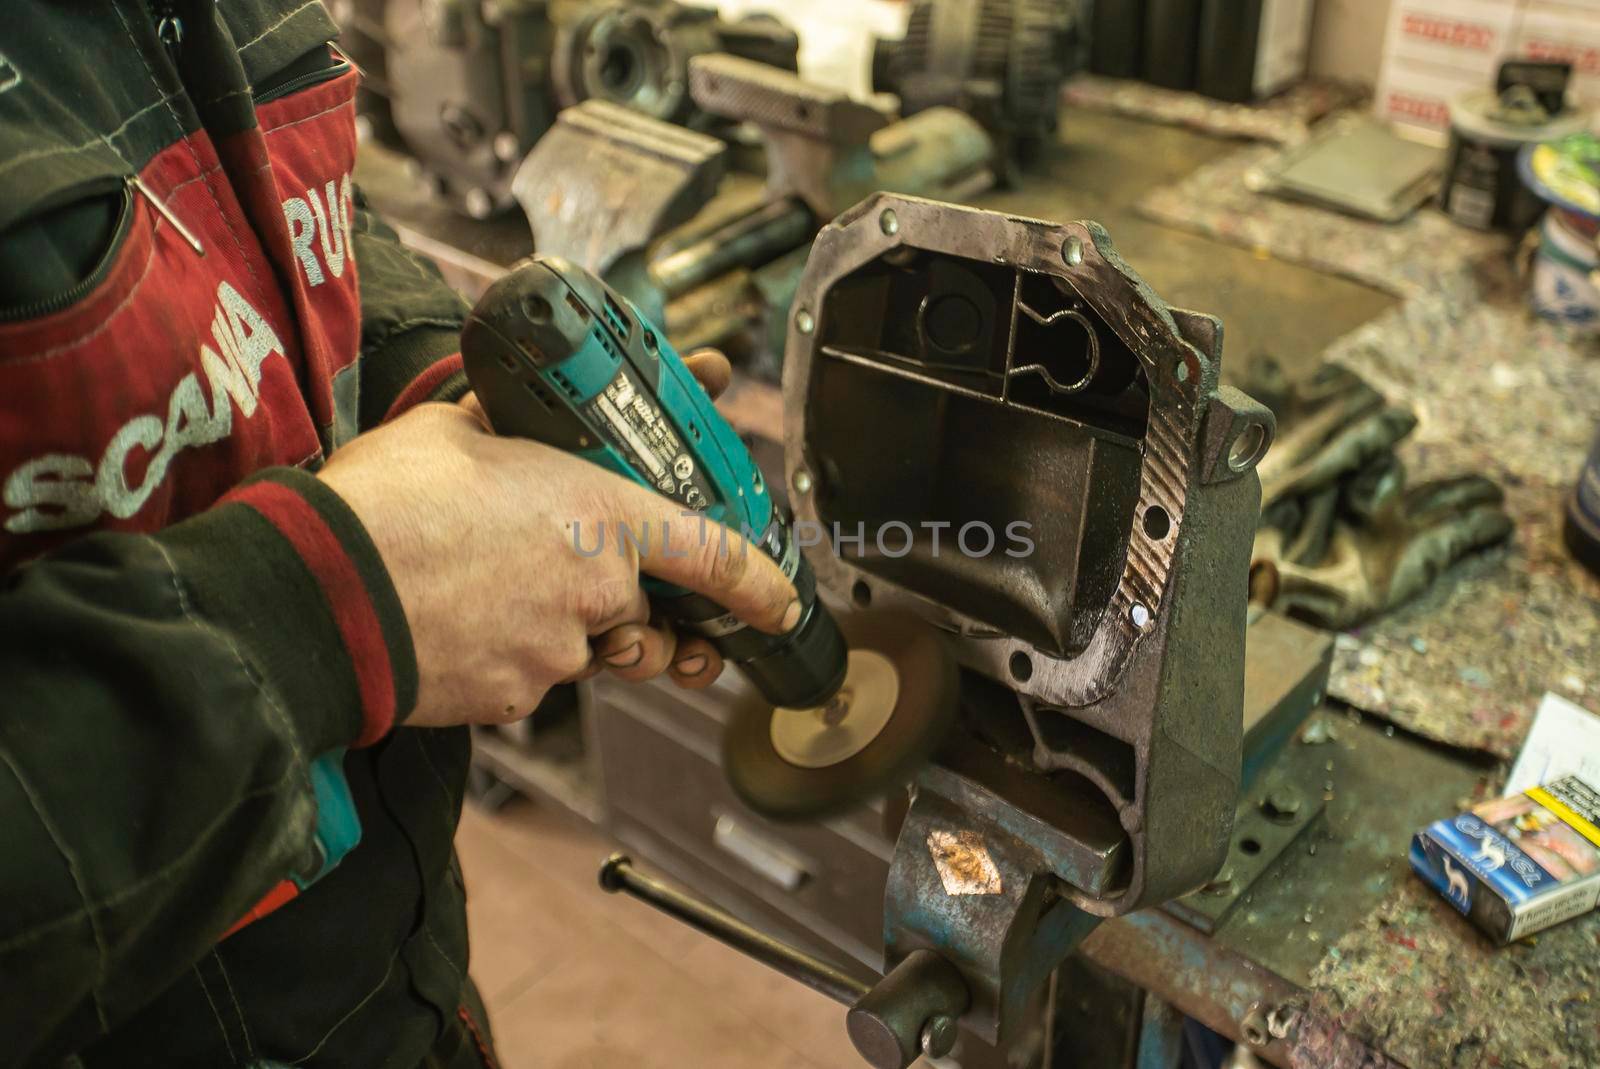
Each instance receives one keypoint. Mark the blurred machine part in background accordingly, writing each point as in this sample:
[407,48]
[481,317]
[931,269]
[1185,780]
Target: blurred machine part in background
[652,209]
[1000,61]
[466,87]
[637,54]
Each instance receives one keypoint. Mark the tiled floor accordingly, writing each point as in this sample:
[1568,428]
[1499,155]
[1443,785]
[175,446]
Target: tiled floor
[578,979]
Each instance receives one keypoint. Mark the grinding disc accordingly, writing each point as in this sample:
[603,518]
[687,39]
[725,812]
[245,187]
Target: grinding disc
[897,703]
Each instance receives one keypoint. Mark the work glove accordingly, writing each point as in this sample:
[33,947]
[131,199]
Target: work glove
[1330,427]
[1342,569]
[1341,538]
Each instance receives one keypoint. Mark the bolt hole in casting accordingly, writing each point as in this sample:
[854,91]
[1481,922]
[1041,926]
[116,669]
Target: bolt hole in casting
[1021,667]
[1157,524]
[1247,447]
[1255,1027]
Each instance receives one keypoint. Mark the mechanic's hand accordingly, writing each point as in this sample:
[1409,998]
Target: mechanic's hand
[478,534]
[639,651]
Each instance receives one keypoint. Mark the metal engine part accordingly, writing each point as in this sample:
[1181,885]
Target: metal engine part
[361,37]
[631,198]
[637,54]
[1039,388]
[1034,380]
[467,87]
[1000,61]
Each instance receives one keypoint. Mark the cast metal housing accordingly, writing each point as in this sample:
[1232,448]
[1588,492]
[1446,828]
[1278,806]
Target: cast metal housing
[958,367]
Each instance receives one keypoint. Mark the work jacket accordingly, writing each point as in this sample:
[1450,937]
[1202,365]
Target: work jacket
[221,848]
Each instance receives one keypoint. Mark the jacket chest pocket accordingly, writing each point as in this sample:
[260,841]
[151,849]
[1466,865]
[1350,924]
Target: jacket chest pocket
[57,257]
[150,364]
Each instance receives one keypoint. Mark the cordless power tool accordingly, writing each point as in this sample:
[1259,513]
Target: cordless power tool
[557,356]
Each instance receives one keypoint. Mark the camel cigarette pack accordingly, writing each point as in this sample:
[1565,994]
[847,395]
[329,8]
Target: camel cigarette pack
[1518,864]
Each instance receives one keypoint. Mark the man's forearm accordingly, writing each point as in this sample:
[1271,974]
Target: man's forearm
[165,697]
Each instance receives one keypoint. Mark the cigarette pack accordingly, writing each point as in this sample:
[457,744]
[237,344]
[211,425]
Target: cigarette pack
[1518,864]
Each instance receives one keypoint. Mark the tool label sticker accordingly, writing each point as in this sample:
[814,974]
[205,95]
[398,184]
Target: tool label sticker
[964,864]
[643,430]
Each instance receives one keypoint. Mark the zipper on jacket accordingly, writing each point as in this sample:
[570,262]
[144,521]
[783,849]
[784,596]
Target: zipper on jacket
[169,27]
[50,305]
[310,78]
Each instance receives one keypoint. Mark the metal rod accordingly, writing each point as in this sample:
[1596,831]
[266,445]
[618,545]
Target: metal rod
[618,874]
[746,241]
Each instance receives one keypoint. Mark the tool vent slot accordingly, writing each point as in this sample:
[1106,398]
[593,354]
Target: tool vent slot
[619,318]
[566,385]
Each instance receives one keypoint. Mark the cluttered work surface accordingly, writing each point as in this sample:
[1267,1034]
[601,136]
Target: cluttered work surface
[1332,954]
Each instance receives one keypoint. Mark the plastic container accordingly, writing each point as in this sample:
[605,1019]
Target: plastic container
[1563,286]
[1482,188]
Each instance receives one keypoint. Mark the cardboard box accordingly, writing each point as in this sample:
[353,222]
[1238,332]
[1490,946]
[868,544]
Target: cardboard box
[1420,97]
[1566,32]
[1519,864]
[1438,49]
[1462,35]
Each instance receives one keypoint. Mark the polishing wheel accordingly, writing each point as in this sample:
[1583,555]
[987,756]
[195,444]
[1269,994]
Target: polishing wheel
[897,702]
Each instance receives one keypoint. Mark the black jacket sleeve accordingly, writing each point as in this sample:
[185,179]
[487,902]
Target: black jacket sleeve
[410,322]
[164,698]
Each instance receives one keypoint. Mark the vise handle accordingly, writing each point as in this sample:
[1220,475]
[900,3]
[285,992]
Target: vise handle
[910,1012]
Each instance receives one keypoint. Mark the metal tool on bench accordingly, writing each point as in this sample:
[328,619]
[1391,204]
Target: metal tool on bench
[1000,61]
[644,204]
[466,87]
[1034,379]
[556,356]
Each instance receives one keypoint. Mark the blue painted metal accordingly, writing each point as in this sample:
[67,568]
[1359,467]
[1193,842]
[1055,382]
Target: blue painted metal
[1160,1035]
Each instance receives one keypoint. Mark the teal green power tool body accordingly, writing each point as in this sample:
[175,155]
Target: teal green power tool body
[557,356]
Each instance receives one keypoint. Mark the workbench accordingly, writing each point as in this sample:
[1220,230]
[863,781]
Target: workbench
[1333,955]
